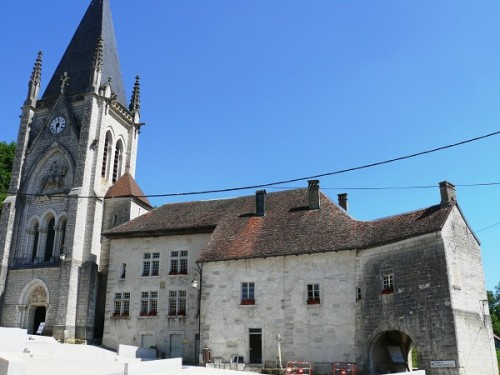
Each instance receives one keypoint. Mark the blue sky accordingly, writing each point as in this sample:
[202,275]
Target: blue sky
[238,93]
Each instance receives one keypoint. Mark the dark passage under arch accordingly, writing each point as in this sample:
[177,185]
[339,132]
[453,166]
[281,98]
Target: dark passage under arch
[39,317]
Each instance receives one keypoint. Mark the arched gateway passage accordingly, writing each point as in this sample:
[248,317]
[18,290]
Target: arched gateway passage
[389,353]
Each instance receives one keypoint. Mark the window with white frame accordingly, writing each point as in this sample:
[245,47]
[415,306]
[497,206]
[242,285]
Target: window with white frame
[149,303]
[122,304]
[178,262]
[313,294]
[388,283]
[177,303]
[248,293]
[151,264]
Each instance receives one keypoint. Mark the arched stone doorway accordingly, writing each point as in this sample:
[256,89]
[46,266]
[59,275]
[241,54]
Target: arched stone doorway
[33,305]
[389,352]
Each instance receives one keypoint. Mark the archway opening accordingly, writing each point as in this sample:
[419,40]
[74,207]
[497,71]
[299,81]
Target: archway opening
[389,353]
[39,317]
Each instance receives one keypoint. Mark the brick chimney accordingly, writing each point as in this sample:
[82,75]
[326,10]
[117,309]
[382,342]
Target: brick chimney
[343,200]
[448,193]
[260,203]
[314,197]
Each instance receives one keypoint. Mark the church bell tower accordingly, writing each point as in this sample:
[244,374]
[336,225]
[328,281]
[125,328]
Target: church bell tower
[74,143]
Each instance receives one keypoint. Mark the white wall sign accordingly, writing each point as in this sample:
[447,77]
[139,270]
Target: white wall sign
[40,328]
[443,364]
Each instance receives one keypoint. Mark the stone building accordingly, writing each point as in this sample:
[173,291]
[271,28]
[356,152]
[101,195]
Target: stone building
[295,264]
[229,275]
[75,141]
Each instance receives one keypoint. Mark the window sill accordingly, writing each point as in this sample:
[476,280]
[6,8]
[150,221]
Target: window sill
[147,277]
[118,317]
[387,291]
[179,317]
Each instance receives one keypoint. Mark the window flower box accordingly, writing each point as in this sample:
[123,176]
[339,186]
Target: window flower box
[115,314]
[172,313]
[183,272]
[248,301]
[313,301]
[181,312]
[173,273]
[124,315]
[152,313]
[143,313]
[389,290]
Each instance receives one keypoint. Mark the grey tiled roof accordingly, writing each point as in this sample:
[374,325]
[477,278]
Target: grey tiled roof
[288,228]
[77,60]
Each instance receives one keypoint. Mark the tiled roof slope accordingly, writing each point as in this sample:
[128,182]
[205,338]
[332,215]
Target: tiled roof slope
[182,217]
[126,186]
[288,228]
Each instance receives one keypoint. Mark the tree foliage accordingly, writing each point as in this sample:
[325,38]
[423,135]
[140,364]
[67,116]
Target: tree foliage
[494,303]
[6,162]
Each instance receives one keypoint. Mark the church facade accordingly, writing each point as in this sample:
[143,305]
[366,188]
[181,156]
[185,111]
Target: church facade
[83,253]
[75,141]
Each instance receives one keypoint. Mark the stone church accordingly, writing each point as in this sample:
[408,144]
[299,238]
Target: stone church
[76,141]
[83,252]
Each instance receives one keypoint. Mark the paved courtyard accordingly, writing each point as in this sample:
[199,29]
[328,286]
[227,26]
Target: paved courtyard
[22,354]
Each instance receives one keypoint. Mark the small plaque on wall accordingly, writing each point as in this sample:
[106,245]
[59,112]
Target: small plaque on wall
[437,364]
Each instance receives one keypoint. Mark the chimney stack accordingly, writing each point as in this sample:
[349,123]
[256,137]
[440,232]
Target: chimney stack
[343,200]
[313,190]
[260,202]
[448,193]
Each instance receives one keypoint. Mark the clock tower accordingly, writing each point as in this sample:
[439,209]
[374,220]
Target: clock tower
[75,143]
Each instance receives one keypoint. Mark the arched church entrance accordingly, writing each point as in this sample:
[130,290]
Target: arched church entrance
[33,305]
[389,352]
[40,312]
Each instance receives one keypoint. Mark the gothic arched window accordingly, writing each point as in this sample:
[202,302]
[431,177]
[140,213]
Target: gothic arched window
[105,156]
[49,244]
[62,227]
[117,161]
[34,248]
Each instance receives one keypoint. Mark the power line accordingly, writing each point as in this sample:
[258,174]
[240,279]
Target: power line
[375,188]
[271,184]
[489,227]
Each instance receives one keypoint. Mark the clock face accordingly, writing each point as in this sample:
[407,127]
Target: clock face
[57,124]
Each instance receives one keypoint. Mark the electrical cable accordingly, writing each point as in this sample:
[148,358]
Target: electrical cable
[271,184]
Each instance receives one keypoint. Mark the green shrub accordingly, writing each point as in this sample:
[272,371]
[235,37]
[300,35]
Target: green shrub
[498,359]
[274,371]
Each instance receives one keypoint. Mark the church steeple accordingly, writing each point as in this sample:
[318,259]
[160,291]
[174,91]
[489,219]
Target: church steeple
[95,33]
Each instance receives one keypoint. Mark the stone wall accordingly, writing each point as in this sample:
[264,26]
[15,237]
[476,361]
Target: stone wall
[317,333]
[476,351]
[419,306]
[156,330]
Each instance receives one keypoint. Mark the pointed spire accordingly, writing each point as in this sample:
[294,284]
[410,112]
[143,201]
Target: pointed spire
[98,55]
[35,81]
[36,75]
[64,82]
[79,60]
[96,75]
[135,101]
